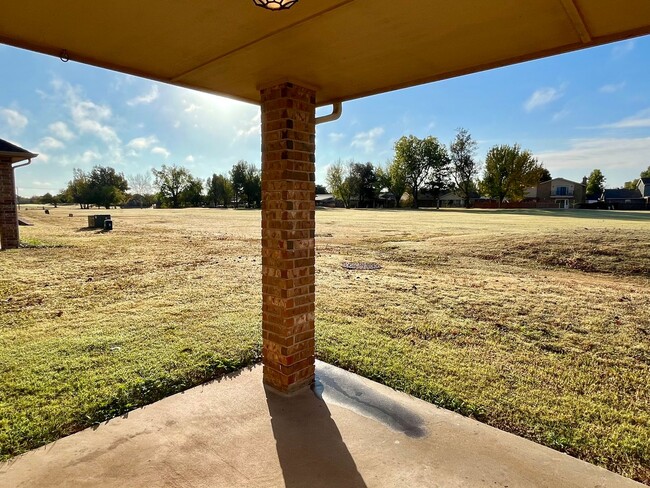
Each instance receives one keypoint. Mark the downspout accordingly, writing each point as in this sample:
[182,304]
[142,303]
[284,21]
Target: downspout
[29,161]
[337,110]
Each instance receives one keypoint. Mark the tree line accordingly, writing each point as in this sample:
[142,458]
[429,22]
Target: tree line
[429,166]
[170,186]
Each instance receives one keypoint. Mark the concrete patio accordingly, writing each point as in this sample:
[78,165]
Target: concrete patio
[346,432]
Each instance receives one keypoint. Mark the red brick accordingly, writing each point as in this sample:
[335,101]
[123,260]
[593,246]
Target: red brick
[288,229]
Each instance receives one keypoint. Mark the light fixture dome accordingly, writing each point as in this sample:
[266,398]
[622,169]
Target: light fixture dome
[275,4]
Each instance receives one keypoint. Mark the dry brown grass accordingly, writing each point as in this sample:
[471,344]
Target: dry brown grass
[535,322]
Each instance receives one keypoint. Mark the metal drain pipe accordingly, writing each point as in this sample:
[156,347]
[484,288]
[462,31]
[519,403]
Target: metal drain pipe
[337,110]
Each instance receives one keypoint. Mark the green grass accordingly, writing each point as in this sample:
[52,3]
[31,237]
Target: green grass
[534,322]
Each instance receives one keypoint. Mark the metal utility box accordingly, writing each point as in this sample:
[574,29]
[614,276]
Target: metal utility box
[97,221]
[108,224]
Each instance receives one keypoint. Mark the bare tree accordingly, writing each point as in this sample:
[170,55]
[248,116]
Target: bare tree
[141,185]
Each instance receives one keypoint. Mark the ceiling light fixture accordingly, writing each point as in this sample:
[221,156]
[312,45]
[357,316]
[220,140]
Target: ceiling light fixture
[275,4]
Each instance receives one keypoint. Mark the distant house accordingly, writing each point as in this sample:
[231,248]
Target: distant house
[451,199]
[622,199]
[325,200]
[560,193]
[386,199]
[644,188]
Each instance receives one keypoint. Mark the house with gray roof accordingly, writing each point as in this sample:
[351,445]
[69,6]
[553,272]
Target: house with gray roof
[624,199]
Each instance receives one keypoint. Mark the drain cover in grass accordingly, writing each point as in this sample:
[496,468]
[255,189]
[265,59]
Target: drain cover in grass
[361,266]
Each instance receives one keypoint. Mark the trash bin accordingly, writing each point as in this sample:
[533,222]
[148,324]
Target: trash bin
[108,224]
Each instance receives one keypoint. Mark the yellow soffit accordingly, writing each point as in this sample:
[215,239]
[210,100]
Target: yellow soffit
[346,48]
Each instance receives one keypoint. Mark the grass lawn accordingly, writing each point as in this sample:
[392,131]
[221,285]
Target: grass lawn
[536,322]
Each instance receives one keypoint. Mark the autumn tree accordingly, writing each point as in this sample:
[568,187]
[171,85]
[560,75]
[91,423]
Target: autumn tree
[393,178]
[509,170]
[424,160]
[339,182]
[595,183]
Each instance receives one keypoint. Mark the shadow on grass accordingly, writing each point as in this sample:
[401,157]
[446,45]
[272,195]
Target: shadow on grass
[639,215]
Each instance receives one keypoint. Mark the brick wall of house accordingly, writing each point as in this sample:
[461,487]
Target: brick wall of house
[288,228]
[8,210]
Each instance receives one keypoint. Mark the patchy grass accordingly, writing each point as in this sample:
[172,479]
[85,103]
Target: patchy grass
[534,322]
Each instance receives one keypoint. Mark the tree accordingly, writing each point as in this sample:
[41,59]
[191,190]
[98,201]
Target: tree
[633,185]
[141,187]
[509,170]
[238,180]
[424,160]
[107,187]
[321,190]
[170,182]
[363,183]
[464,167]
[102,186]
[192,194]
[338,182]
[393,178]
[545,176]
[253,186]
[246,183]
[595,183]
[78,189]
[219,190]
[49,199]
[140,183]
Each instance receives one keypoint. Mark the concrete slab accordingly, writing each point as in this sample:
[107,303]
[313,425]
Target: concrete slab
[347,432]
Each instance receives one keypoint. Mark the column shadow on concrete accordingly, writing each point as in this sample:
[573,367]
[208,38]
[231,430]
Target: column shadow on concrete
[310,448]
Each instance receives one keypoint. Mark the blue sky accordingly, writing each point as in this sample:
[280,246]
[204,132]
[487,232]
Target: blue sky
[575,112]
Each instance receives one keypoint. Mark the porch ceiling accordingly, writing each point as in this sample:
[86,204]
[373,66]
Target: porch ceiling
[345,48]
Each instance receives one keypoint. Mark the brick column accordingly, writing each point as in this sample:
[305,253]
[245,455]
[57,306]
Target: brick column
[288,227]
[8,209]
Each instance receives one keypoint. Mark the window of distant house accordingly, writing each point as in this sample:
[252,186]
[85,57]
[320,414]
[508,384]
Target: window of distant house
[561,190]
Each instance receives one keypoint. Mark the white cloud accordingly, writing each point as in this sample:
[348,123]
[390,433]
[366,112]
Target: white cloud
[252,127]
[50,143]
[336,136]
[191,108]
[619,158]
[367,140]
[13,121]
[141,143]
[87,116]
[612,88]
[89,157]
[162,151]
[43,157]
[557,116]
[88,123]
[189,159]
[145,99]
[542,97]
[641,119]
[41,184]
[61,130]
